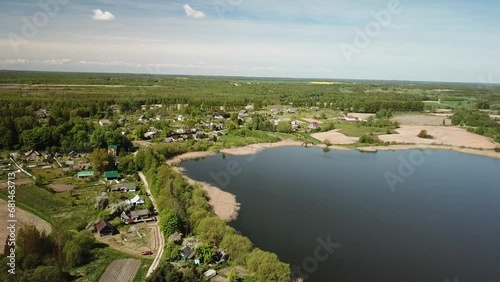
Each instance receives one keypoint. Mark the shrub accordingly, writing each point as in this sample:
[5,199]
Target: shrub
[369,139]
[424,134]
[497,149]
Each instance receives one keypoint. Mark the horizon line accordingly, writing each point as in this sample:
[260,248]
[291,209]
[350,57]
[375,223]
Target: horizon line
[255,77]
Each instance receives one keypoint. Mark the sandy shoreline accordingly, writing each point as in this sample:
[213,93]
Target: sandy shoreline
[189,156]
[484,153]
[225,205]
[255,148]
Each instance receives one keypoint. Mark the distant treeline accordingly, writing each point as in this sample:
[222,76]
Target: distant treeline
[74,110]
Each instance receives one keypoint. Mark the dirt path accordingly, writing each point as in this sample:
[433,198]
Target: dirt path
[23,218]
[159,239]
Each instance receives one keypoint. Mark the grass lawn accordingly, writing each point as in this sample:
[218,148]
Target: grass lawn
[468,104]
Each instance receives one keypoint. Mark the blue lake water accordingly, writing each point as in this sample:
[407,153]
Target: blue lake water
[387,216]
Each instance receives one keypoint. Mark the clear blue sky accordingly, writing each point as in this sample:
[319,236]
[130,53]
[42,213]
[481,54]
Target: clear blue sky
[450,40]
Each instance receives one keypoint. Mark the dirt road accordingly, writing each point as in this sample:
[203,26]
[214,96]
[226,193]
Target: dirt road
[159,236]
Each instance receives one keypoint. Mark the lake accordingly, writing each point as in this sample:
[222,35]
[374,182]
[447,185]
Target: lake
[351,216]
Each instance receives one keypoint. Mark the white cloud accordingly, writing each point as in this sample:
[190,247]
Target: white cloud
[102,16]
[192,13]
[37,62]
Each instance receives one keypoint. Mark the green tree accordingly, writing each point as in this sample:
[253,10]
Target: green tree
[100,159]
[38,138]
[49,274]
[205,252]
[237,246]
[169,223]
[267,267]
[73,254]
[284,127]
[212,229]
[165,273]
[423,134]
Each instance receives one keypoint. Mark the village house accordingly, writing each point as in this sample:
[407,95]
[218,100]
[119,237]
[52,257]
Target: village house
[293,111]
[136,216]
[314,125]
[275,111]
[84,174]
[139,214]
[187,253]
[113,150]
[111,175]
[158,117]
[125,187]
[105,228]
[32,156]
[180,118]
[295,125]
[104,122]
[142,118]
[135,201]
[150,134]
[314,108]
[351,118]
[41,113]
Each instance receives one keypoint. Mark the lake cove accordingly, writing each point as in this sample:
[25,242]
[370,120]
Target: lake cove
[351,216]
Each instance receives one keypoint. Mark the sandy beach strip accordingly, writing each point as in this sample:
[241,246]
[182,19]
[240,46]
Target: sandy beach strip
[485,152]
[223,204]
[189,156]
[255,148]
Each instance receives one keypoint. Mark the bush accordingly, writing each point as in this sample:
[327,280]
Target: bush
[497,149]
[369,139]
[424,134]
